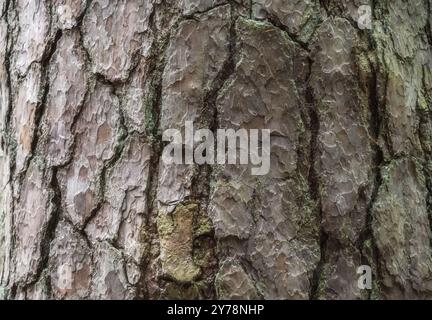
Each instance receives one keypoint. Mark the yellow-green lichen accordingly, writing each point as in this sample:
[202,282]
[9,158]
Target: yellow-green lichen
[176,242]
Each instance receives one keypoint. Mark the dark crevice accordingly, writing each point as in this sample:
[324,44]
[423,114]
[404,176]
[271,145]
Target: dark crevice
[314,125]
[7,134]
[425,116]
[428,183]
[274,20]
[5,145]
[80,18]
[428,26]
[314,183]
[40,108]
[76,229]
[375,125]
[135,60]
[314,187]
[7,62]
[201,181]
[48,231]
[152,107]
[117,152]
[210,110]
[386,123]
[325,5]
[427,174]
[200,12]
[76,117]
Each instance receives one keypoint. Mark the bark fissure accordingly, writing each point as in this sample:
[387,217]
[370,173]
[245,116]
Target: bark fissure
[377,162]
[314,189]
[152,108]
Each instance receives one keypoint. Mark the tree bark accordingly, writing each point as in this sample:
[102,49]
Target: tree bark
[90,211]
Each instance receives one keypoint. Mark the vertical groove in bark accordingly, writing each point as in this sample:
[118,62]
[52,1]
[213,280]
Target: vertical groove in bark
[314,187]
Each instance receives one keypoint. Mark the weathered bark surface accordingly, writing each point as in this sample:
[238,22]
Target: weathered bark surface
[89,210]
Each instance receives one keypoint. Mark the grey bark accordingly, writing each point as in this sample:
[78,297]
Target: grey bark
[89,211]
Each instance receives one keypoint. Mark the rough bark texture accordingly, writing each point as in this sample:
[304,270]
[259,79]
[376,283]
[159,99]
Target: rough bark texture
[89,210]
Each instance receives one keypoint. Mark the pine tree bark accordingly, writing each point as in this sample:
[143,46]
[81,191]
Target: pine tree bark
[90,211]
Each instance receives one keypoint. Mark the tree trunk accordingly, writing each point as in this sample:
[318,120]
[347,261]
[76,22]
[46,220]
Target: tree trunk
[89,209]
